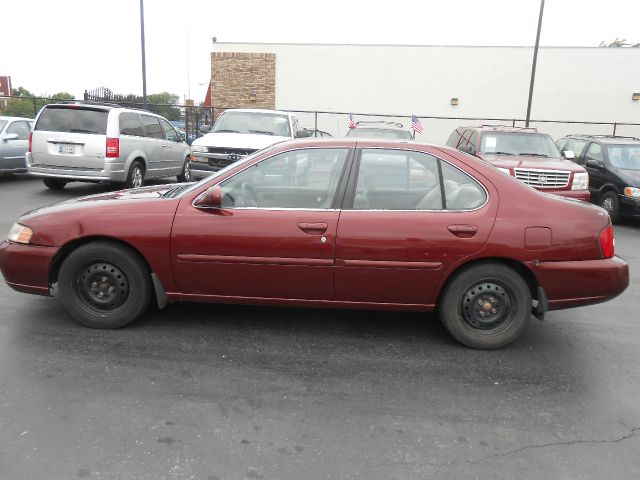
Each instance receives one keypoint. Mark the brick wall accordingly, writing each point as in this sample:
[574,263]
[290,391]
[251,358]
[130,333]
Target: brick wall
[243,80]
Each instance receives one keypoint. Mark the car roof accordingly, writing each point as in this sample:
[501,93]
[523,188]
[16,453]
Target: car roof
[502,128]
[607,139]
[258,110]
[7,117]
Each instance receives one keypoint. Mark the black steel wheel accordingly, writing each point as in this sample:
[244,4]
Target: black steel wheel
[486,306]
[609,201]
[104,285]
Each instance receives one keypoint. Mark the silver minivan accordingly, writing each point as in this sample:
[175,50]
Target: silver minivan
[97,143]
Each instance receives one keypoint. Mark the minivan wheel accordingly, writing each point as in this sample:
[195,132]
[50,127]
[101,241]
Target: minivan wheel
[609,201]
[135,178]
[104,285]
[185,176]
[486,306]
[54,183]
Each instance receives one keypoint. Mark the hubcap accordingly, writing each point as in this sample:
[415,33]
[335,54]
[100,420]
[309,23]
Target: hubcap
[486,306]
[187,172]
[102,286]
[136,178]
[607,204]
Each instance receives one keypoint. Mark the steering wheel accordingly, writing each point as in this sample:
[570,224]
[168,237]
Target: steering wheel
[249,197]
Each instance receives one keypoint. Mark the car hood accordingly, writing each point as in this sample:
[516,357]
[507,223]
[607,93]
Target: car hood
[238,140]
[632,176]
[525,161]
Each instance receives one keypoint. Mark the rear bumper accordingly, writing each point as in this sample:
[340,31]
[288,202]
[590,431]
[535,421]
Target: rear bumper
[26,267]
[111,172]
[579,283]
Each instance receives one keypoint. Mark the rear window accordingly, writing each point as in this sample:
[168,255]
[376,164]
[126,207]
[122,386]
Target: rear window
[73,120]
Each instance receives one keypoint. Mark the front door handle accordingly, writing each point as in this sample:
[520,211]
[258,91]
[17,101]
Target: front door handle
[313,228]
[463,231]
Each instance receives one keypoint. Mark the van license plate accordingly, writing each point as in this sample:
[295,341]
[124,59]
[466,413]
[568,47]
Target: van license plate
[66,149]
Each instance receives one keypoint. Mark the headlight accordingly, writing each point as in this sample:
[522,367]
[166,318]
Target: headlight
[198,148]
[580,181]
[632,192]
[20,234]
[504,170]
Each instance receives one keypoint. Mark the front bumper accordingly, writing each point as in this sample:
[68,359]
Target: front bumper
[203,164]
[583,195]
[578,283]
[26,267]
[629,207]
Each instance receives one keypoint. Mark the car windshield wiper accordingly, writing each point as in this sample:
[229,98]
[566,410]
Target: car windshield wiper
[535,154]
[80,130]
[175,191]
[262,132]
[499,153]
[225,131]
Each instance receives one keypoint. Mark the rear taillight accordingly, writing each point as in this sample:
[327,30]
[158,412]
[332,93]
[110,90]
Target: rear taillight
[30,141]
[607,242]
[113,147]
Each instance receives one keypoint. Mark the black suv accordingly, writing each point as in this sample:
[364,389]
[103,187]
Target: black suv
[613,164]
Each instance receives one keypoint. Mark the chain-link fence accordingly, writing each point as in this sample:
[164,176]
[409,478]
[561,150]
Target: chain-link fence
[436,129]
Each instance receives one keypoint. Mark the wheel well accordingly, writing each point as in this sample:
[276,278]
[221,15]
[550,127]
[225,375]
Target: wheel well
[520,268]
[74,244]
[141,161]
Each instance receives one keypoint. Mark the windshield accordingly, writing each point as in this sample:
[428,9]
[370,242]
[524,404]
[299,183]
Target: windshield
[378,133]
[514,143]
[253,122]
[624,156]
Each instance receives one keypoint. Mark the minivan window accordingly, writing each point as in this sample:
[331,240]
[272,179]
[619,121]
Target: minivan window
[624,156]
[73,120]
[169,133]
[151,127]
[130,124]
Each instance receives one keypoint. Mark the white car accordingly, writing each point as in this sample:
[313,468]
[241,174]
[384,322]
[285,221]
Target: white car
[238,133]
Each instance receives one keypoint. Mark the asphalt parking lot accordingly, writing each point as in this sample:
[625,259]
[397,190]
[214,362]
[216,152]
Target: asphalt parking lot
[229,392]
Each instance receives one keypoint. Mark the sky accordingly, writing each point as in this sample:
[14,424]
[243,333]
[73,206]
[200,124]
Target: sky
[73,45]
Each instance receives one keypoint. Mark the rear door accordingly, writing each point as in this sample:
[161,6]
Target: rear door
[70,136]
[175,148]
[399,233]
[156,145]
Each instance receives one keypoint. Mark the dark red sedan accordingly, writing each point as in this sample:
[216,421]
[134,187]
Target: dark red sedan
[326,223]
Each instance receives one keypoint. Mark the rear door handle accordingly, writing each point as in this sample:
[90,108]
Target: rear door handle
[313,228]
[463,231]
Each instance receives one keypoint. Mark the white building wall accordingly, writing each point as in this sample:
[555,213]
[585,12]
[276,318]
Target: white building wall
[572,84]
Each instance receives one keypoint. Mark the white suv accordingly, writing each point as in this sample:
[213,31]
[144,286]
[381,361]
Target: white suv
[238,133]
[97,143]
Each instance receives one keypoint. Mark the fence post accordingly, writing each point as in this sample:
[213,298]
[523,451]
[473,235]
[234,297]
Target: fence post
[513,124]
[315,126]
[614,128]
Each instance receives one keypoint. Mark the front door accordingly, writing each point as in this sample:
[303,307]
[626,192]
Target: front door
[402,232]
[274,236]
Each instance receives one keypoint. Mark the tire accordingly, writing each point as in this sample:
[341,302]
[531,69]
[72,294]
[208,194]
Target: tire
[135,177]
[486,306]
[185,176]
[610,202]
[104,285]
[54,183]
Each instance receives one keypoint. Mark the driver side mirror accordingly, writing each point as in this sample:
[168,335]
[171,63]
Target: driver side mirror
[205,128]
[10,136]
[569,154]
[303,134]
[211,198]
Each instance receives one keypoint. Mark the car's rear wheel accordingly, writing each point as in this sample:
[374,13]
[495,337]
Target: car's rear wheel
[486,306]
[185,176]
[135,178]
[54,183]
[609,201]
[104,285]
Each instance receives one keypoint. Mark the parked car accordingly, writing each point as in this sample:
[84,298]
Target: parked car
[326,223]
[613,164]
[315,133]
[527,155]
[238,133]
[99,143]
[14,141]
[379,129]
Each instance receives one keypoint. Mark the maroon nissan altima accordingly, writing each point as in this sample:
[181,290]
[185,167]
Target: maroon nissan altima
[391,225]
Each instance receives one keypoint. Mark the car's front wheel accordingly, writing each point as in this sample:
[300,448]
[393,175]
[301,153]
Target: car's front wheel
[609,201]
[104,285]
[185,176]
[486,306]
[54,183]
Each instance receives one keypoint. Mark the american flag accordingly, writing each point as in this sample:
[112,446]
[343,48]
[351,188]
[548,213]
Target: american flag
[416,126]
[352,124]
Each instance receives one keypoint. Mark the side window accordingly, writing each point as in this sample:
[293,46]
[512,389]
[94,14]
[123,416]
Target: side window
[397,180]
[296,125]
[130,124]
[152,128]
[594,153]
[473,141]
[169,132]
[20,128]
[454,139]
[298,179]
[576,146]
[461,191]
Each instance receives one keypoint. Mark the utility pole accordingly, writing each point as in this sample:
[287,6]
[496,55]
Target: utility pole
[533,67]
[144,62]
